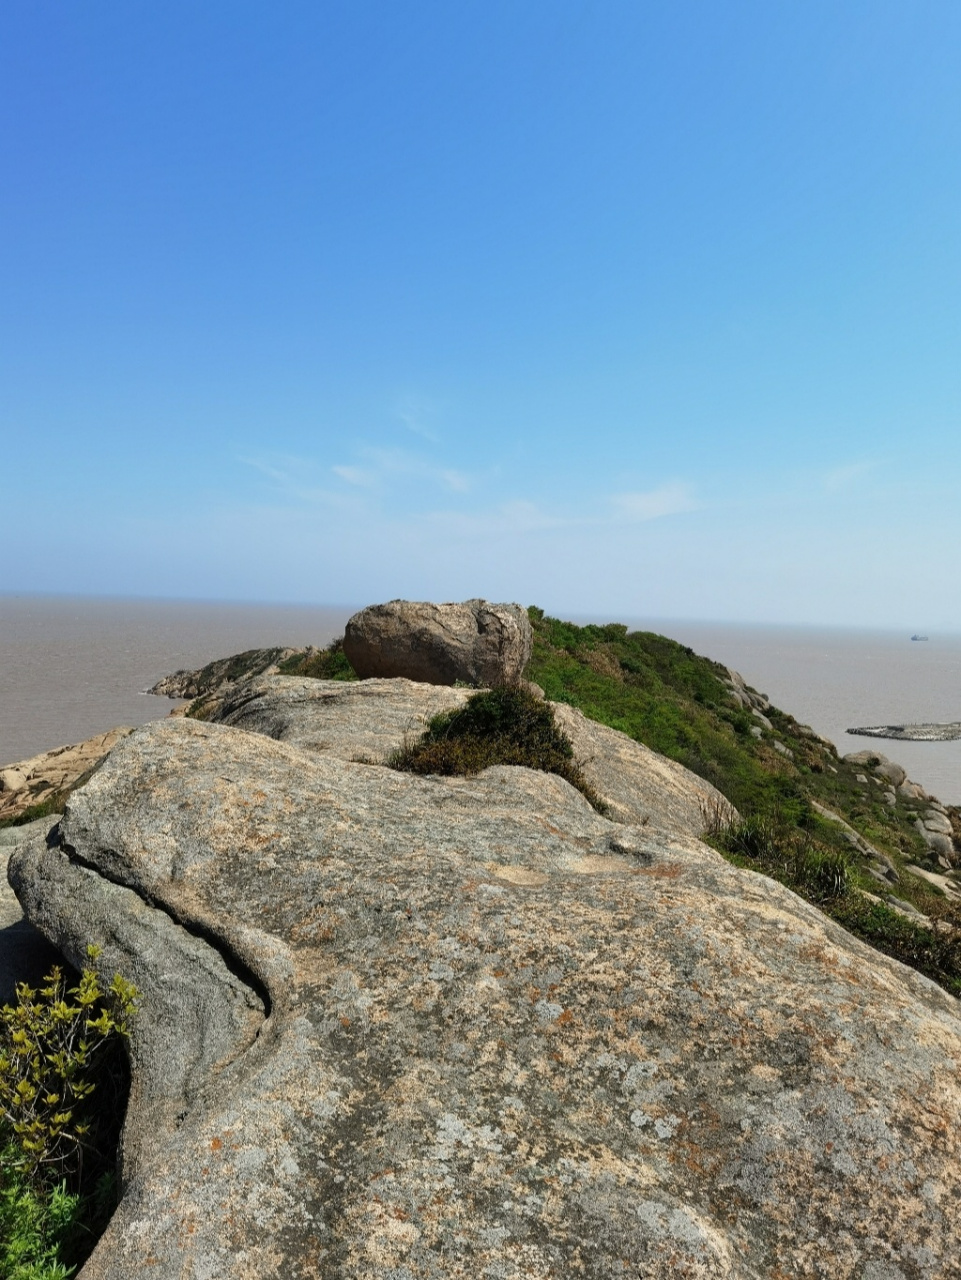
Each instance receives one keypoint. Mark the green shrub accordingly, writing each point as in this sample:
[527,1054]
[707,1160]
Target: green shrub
[935,952]
[506,725]
[52,1044]
[320,664]
[62,1096]
[767,843]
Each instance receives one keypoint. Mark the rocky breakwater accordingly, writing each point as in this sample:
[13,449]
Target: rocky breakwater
[412,1027]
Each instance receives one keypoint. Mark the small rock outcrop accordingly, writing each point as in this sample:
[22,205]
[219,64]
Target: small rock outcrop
[409,1027]
[31,782]
[887,771]
[475,642]
[742,693]
[221,673]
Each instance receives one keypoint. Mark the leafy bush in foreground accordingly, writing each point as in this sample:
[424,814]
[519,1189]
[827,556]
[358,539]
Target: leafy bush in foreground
[35,1225]
[62,1085]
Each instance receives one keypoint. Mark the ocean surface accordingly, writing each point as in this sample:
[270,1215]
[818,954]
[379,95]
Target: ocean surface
[71,667]
[835,679]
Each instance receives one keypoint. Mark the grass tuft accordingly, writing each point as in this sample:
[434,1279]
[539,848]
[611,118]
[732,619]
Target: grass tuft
[320,664]
[506,725]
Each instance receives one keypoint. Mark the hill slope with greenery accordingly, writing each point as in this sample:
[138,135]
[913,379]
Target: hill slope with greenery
[780,776]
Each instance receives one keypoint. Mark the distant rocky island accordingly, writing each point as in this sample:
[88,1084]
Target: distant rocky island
[913,732]
[481,1021]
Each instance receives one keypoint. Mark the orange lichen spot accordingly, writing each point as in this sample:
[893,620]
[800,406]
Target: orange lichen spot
[565,1017]
[216,1144]
[345,1022]
[661,872]
[500,973]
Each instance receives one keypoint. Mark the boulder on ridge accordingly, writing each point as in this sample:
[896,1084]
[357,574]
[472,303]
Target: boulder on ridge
[469,1027]
[475,642]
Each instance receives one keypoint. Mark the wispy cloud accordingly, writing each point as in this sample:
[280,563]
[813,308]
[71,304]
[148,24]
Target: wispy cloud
[406,490]
[382,466]
[278,470]
[380,473]
[844,477]
[667,500]
[297,482]
[415,414]
[356,475]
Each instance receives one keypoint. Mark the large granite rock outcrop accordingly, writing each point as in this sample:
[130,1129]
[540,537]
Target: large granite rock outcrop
[413,1028]
[475,642]
[368,720]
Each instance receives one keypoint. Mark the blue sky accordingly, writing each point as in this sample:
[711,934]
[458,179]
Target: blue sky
[622,308]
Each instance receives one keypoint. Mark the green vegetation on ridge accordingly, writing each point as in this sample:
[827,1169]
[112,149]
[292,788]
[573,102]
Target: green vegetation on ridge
[508,725]
[664,695]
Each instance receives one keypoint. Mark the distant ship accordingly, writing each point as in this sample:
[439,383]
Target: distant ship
[919,637]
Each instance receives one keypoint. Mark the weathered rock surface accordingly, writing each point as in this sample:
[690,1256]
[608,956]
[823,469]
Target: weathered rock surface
[475,642]
[369,719]
[503,1036]
[362,720]
[29,782]
[639,786]
[25,954]
[12,779]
